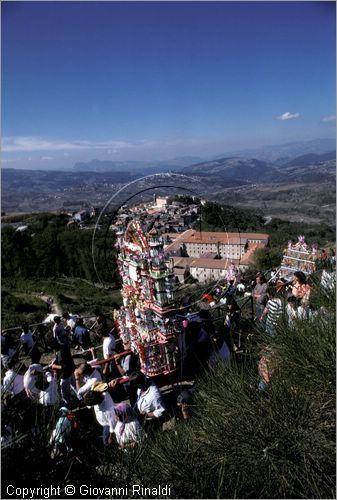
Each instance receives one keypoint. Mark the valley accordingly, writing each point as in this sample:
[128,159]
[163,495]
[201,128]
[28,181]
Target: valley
[301,188]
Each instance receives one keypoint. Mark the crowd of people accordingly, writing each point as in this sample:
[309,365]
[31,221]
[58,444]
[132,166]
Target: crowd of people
[92,368]
[287,299]
[276,302]
[72,377]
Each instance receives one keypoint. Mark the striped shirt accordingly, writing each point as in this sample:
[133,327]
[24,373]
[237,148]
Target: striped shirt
[274,307]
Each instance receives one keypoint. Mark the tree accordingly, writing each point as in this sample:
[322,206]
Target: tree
[46,250]
[267,258]
[18,257]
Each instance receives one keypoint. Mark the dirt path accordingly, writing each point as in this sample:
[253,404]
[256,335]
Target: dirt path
[55,307]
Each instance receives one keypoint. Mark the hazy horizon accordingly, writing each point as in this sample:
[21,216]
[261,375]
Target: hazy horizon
[194,159]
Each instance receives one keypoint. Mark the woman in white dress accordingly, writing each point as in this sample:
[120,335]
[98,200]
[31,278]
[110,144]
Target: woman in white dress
[128,430]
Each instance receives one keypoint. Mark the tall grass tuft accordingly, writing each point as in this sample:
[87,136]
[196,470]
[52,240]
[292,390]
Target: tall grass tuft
[243,443]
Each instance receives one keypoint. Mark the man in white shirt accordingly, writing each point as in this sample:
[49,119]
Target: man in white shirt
[85,377]
[104,410]
[127,363]
[109,345]
[29,344]
[39,386]
[149,401]
[49,395]
[70,320]
[12,382]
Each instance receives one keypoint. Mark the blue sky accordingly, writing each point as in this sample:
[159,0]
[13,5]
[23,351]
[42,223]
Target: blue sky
[156,80]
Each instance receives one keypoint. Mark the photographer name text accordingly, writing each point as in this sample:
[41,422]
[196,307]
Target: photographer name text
[84,490]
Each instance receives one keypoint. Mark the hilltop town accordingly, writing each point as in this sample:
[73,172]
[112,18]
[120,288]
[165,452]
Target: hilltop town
[205,256]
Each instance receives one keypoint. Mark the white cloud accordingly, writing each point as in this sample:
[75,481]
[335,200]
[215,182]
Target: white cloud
[20,143]
[288,116]
[16,144]
[329,118]
[44,149]
[8,160]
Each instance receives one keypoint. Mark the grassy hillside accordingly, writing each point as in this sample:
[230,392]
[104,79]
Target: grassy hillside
[21,302]
[240,442]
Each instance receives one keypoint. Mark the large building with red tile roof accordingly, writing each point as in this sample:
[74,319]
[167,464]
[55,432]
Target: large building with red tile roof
[234,249]
[227,245]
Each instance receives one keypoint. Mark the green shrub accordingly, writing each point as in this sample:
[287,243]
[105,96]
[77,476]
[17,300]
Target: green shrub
[246,444]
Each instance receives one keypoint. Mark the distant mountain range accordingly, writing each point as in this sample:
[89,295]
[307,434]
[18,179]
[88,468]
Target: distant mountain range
[249,165]
[232,179]
[309,168]
[138,167]
[281,153]
[231,169]
[309,159]
[237,170]
[306,161]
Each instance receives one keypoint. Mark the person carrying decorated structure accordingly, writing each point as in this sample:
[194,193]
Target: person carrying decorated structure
[149,403]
